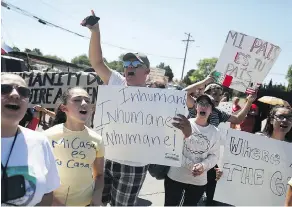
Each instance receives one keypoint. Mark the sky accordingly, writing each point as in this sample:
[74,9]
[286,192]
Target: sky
[154,27]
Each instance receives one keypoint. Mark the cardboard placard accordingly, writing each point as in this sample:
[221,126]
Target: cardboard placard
[135,123]
[256,170]
[244,62]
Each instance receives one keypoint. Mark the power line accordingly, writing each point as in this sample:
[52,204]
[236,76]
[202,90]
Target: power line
[47,23]
[187,46]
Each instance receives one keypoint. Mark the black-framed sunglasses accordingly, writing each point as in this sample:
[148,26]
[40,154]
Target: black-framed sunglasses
[283,117]
[135,64]
[22,91]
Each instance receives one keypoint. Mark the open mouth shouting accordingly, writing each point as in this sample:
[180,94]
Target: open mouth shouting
[202,113]
[283,126]
[12,106]
[83,111]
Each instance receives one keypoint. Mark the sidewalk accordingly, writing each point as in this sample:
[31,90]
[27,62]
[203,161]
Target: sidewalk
[152,192]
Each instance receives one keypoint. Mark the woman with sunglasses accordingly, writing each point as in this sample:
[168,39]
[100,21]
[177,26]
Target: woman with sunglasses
[279,123]
[29,172]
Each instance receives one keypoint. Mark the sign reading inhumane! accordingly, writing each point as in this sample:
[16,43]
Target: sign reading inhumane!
[136,124]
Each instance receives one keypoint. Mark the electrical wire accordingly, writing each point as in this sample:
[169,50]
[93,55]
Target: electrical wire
[10,6]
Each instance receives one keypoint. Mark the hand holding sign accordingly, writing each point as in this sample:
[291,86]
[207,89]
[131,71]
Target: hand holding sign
[252,97]
[219,173]
[198,169]
[183,124]
[91,21]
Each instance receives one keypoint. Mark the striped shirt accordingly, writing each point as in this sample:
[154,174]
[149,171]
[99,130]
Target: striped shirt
[216,117]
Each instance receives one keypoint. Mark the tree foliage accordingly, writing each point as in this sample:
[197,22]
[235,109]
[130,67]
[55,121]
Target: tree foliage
[81,60]
[16,49]
[289,77]
[204,68]
[187,79]
[54,57]
[168,71]
[38,52]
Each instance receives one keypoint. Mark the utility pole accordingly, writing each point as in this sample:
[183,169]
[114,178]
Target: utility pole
[187,46]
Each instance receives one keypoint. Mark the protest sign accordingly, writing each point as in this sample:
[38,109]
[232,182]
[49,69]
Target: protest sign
[135,123]
[46,88]
[244,62]
[258,167]
[156,74]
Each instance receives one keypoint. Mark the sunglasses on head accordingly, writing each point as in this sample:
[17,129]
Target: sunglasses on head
[22,91]
[134,64]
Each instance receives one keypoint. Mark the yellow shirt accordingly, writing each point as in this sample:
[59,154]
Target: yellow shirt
[290,182]
[75,152]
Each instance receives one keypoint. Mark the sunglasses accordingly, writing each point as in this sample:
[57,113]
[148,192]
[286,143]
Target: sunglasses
[134,64]
[22,91]
[283,117]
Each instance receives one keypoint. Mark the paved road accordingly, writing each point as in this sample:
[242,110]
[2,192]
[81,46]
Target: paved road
[152,192]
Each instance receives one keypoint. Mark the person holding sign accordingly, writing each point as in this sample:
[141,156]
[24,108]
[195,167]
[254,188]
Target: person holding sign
[28,170]
[279,123]
[289,194]
[216,117]
[123,179]
[200,154]
[79,152]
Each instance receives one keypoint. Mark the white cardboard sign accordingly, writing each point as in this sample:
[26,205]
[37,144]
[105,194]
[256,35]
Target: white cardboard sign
[256,170]
[135,123]
[245,61]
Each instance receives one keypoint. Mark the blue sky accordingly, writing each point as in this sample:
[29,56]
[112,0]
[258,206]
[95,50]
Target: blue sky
[153,26]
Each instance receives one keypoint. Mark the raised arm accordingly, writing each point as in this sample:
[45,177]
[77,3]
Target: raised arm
[95,52]
[194,87]
[238,118]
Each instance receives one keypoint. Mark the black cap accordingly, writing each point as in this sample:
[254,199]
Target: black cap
[208,98]
[139,56]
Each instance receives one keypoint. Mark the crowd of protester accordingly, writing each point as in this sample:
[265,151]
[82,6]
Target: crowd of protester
[32,168]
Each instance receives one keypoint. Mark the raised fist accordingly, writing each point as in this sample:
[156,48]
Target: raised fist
[91,21]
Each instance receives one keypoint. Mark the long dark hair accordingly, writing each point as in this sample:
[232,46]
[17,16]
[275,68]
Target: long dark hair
[268,130]
[27,118]
[60,116]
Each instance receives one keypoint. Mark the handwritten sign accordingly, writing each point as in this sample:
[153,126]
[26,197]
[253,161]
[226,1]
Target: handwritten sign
[157,74]
[135,123]
[258,167]
[245,61]
[46,88]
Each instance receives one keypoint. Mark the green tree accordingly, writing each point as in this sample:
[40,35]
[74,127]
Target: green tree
[27,50]
[16,49]
[187,79]
[205,66]
[54,57]
[270,85]
[116,65]
[289,77]
[81,60]
[37,51]
[168,71]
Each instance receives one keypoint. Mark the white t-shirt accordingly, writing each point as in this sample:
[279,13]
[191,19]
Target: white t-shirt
[203,146]
[31,157]
[117,79]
